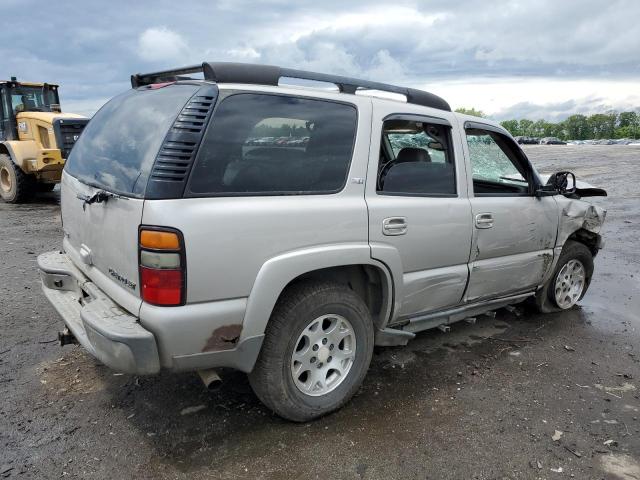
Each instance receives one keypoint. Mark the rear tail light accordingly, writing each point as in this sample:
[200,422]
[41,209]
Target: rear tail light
[162,266]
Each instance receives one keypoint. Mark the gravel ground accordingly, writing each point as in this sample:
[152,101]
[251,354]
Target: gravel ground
[520,395]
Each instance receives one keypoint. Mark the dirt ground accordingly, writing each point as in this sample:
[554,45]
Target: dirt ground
[518,396]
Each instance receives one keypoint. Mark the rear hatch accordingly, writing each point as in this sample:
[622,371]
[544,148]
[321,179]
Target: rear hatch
[104,184]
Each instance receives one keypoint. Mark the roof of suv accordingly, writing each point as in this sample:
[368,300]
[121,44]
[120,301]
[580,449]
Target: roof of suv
[225,72]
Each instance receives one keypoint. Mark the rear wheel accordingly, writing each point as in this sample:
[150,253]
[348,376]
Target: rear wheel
[15,185]
[316,351]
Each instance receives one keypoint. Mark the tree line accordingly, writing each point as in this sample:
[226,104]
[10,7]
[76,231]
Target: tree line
[575,127]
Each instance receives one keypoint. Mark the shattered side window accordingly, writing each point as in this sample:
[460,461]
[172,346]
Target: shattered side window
[493,168]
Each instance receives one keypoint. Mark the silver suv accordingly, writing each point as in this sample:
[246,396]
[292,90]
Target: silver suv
[257,219]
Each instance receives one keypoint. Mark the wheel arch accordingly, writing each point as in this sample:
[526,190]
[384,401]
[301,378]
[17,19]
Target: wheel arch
[19,151]
[5,149]
[351,265]
[591,240]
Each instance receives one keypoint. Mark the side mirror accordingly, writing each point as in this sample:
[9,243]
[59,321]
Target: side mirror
[563,183]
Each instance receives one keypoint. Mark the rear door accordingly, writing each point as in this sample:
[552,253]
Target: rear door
[115,155]
[419,213]
[514,231]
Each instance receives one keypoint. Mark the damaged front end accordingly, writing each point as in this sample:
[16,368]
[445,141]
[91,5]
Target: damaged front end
[581,219]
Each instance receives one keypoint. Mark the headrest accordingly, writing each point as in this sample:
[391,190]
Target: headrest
[412,154]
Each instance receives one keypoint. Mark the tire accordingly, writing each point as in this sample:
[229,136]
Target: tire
[15,185]
[273,379]
[546,300]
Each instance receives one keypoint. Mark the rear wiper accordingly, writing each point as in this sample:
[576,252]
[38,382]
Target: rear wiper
[99,197]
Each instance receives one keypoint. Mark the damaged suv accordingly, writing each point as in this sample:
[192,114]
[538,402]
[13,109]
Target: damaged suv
[254,221]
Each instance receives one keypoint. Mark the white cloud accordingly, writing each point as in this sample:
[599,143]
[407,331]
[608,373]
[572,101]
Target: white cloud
[160,43]
[543,58]
[243,54]
[536,98]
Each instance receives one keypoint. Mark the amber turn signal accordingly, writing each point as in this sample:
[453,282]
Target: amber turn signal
[159,240]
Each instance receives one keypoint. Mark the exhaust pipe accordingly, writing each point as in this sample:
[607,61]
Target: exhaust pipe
[210,378]
[65,337]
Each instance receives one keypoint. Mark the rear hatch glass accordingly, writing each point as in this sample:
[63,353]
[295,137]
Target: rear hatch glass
[117,149]
[115,153]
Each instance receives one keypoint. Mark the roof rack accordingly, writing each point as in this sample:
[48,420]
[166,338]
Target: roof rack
[227,72]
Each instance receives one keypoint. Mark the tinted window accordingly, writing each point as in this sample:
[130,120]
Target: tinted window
[272,144]
[416,159]
[117,149]
[494,164]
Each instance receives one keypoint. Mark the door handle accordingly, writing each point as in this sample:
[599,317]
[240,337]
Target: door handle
[484,220]
[394,226]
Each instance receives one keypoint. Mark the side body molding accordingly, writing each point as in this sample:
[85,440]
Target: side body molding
[279,271]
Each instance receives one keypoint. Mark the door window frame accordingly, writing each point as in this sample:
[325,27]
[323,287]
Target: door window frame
[449,153]
[517,157]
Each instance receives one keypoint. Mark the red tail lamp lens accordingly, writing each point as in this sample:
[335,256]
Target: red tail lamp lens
[161,287]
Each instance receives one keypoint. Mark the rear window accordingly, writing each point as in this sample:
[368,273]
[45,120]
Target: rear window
[275,145]
[117,149]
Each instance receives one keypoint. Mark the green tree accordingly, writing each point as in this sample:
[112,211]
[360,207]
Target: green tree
[603,125]
[628,119]
[526,127]
[471,111]
[626,132]
[537,129]
[577,127]
[513,126]
[628,125]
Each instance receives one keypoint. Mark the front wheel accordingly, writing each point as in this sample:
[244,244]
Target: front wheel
[316,351]
[570,279]
[15,185]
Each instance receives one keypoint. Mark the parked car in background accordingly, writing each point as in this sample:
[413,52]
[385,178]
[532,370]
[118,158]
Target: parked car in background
[186,250]
[524,140]
[551,141]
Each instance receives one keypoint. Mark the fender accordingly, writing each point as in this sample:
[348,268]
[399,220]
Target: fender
[279,271]
[21,151]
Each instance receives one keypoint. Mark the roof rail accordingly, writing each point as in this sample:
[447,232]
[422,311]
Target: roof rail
[227,72]
[141,79]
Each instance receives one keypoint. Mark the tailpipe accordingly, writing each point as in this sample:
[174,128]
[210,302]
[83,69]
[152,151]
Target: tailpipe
[65,337]
[210,378]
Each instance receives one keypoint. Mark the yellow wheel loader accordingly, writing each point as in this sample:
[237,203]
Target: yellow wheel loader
[35,138]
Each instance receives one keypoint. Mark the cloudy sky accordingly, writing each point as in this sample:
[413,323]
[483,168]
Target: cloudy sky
[535,59]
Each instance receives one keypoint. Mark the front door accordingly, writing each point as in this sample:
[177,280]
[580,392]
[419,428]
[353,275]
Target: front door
[419,213]
[514,231]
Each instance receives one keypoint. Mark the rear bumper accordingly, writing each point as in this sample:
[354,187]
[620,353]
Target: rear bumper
[186,338]
[107,331]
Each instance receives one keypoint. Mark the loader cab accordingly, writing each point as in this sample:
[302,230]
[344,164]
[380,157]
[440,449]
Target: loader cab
[17,97]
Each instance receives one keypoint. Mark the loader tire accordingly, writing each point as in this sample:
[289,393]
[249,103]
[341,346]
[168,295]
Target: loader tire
[15,185]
